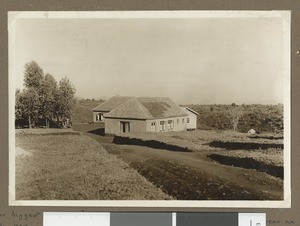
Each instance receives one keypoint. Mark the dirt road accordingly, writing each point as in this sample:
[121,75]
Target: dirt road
[193,176]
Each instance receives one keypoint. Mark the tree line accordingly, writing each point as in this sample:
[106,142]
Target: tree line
[261,118]
[44,101]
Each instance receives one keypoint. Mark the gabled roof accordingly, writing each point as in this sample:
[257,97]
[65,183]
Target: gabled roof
[191,110]
[111,104]
[147,108]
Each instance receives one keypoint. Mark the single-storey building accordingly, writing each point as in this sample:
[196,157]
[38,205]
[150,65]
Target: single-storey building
[191,120]
[143,114]
[107,106]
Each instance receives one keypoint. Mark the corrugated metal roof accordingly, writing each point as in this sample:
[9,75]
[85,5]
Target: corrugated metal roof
[132,108]
[147,108]
[111,104]
[162,107]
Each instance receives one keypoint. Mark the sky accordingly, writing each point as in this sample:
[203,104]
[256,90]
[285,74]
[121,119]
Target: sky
[192,61]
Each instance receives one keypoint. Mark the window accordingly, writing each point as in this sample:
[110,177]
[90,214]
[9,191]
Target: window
[162,125]
[170,125]
[153,127]
[188,120]
[124,127]
[99,117]
[183,120]
[178,121]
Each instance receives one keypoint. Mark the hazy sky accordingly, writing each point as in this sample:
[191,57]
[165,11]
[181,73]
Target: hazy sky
[189,60]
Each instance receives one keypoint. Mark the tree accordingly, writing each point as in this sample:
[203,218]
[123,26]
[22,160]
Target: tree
[33,75]
[29,104]
[47,96]
[65,99]
[234,113]
[18,105]
[42,98]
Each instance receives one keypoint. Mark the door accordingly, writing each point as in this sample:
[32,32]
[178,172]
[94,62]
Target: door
[124,127]
[153,127]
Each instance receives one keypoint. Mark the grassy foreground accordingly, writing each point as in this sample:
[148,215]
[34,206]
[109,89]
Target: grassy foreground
[262,152]
[75,167]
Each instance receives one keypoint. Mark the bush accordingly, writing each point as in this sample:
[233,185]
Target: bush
[262,118]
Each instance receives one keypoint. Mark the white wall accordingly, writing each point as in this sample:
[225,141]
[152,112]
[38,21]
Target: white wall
[179,124]
[95,113]
[193,120]
[112,125]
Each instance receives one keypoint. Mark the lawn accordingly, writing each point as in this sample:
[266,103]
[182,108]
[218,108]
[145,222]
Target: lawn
[72,166]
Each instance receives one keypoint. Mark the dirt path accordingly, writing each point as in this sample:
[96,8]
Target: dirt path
[193,176]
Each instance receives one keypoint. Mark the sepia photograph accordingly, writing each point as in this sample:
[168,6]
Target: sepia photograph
[153,108]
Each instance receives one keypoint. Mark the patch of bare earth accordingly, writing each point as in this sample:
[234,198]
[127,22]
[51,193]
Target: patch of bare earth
[75,167]
[21,152]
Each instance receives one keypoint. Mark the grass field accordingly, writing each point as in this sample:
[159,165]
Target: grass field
[83,164]
[198,174]
[227,147]
[71,166]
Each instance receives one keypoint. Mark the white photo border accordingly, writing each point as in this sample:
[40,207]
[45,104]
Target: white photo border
[286,30]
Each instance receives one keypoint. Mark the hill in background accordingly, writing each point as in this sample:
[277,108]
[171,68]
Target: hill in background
[262,118]
[83,110]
